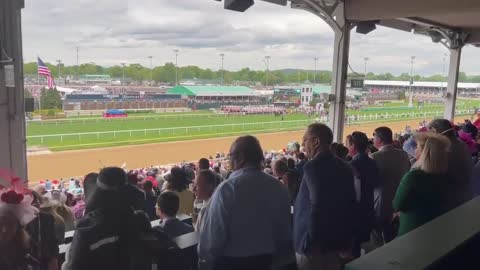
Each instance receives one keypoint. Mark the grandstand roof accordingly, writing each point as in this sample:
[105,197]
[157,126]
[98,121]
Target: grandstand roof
[420,16]
[212,91]
[420,84]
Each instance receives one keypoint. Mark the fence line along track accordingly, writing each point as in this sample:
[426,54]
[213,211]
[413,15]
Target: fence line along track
[145,117]
[209,129]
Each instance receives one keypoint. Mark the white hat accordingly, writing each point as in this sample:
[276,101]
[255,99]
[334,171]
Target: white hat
[19,205]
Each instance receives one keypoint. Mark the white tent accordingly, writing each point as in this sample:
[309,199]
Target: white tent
[99,89]
[66,90]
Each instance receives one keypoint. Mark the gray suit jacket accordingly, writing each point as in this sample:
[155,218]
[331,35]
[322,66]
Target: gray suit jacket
[392,165]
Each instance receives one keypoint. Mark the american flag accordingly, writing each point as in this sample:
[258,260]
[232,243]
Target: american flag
[45,71]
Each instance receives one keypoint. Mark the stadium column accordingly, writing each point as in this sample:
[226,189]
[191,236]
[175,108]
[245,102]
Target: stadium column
[12,107]
[339,73]
[452,83]
[335,18]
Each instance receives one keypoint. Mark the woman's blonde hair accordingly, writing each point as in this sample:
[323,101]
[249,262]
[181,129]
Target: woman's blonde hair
[49,206]
[434,156]
[65,212]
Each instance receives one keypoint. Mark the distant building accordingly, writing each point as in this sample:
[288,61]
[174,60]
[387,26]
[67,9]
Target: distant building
[306,95]
[204,97]
[95,79]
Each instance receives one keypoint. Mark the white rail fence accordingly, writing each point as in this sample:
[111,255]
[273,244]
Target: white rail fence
[115,135]
[174,131]
[138,117]
[405,115]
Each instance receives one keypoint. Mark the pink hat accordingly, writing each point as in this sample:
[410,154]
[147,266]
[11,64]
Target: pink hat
[15,199]
[151,179]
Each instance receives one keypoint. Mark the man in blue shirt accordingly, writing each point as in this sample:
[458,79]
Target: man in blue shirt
[248,219]
[325,205]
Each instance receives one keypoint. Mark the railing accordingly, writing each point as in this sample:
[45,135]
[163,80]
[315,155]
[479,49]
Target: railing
[69,235]
[182,217]
[404,115]
[186,131]
[450,241]
[141,117]
[174,131]
[190,241]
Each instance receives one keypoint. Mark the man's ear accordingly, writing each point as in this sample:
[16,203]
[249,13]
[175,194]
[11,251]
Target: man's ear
[317,143]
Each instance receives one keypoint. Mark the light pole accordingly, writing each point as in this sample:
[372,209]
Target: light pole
[59,62]
[412,60]
[123,71]
[365,71]
[176,66]
[222,56]
[315,59]
[151,70]
[267,63]
[78,67]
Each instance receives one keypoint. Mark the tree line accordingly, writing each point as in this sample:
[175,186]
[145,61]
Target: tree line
[166,74]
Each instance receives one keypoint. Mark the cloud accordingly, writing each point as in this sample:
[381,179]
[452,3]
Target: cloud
[110,31]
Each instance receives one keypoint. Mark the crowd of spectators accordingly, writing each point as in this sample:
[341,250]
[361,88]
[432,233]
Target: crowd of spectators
[229,101]
[321,201]
[249,109]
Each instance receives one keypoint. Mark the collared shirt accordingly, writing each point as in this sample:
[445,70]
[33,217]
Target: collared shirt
[248,215]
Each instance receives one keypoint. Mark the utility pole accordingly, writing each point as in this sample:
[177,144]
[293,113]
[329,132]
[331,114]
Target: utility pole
[267,63]
[176,66]
[412,60]
[59,62]
[365,72]
[78,67]
[123,70]
[315,59]
[222,55]
[151,69]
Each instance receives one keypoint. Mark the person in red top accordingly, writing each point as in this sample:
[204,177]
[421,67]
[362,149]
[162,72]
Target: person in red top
[476,123]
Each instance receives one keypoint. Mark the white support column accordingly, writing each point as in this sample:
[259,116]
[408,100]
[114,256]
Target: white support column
[451,94]
[12,107]
[339,77]
[334,16]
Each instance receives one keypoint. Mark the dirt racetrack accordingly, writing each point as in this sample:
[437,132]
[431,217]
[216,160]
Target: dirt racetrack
[80,162]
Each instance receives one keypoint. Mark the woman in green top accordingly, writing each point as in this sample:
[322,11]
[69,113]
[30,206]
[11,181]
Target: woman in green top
[421,195]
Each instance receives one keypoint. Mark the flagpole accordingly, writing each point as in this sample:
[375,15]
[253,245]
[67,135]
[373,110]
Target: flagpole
[38,81]
[38,74]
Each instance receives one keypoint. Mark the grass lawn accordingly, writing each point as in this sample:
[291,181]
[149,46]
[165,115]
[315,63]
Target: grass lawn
[192,125]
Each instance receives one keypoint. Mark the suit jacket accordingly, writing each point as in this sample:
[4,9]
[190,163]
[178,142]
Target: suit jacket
[325,205]
[393,164]
[366,172]
[299,168]
[460,167]
[173,227]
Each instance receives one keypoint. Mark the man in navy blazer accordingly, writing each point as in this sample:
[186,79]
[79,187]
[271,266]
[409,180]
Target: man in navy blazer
[167,208]
[325,205]
[367,177]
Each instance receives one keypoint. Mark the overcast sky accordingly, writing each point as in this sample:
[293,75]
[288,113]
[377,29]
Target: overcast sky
[108,32]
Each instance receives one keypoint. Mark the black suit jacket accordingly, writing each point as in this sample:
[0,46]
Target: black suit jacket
[174,227]
[367,175]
